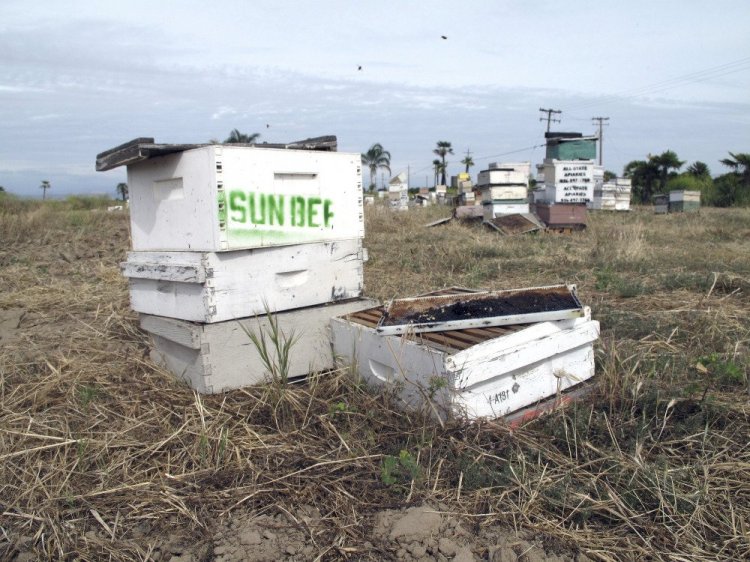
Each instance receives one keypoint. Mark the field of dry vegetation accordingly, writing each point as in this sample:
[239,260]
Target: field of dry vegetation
[103,456]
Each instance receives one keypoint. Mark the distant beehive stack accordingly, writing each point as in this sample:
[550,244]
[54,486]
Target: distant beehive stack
[398,192]
[462,183]
[612,196]
[661,203]
[223,233]
[504,188]
[681,201]
[567,180]
[467,198]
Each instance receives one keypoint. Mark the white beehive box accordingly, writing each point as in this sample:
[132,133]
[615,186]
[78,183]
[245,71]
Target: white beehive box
[502,177]
[522,167]
[683,195]
[622,199]
[217,286]
[487,372]
[504,193]
[569,181]
[217,357]
[494,209]
[216,198]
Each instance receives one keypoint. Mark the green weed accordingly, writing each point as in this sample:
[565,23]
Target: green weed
[725,372]
[400,470]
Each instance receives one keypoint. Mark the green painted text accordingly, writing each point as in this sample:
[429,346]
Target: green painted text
[248,208]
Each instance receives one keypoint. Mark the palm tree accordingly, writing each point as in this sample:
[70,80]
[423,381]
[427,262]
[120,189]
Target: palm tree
[740,163]
[443,148]
[44,187]
[235,137]
[665,162]
[376,157]
[437,167]
[122,191]
[643,174]
[699,169]
[468,162]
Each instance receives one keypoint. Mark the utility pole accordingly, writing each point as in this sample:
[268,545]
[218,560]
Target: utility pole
[549,113]
[601,123]
[468,153]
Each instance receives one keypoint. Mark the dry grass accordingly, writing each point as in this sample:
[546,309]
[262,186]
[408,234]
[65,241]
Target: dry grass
[102,452]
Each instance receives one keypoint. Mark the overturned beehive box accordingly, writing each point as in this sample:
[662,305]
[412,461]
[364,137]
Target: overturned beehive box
[471,372]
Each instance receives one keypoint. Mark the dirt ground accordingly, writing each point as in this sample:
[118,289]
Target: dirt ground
[421,533]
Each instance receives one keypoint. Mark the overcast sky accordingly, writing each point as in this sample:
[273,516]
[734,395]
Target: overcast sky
[79,77]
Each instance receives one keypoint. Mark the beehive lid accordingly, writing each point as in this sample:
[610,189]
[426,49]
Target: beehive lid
[480,310]
[518,223]
[144,148]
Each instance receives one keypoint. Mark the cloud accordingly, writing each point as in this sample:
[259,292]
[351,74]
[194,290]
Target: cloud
[223,111]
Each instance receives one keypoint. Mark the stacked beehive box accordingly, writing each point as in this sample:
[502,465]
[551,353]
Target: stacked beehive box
[682,201]
[611,195]
[623,192]
[464,187]
[440,194]
[504,189]
[661,203]
[398,192]
[222,234]
[569,176]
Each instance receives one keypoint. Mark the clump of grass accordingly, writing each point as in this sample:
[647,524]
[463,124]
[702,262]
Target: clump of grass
[274,347]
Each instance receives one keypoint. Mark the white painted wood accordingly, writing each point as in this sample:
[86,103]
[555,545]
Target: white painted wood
[491,210]
[540,341]
[683,195]
[217,286]
[501,193]
[569,181]
[502,395]
[216,198]
[520,167]
[502,177]
[489,379]
[217,357]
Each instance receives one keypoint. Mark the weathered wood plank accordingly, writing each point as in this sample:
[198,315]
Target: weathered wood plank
[143,148]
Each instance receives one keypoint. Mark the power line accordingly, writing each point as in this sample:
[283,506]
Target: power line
[512,151]
[698,76]
[478,158]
